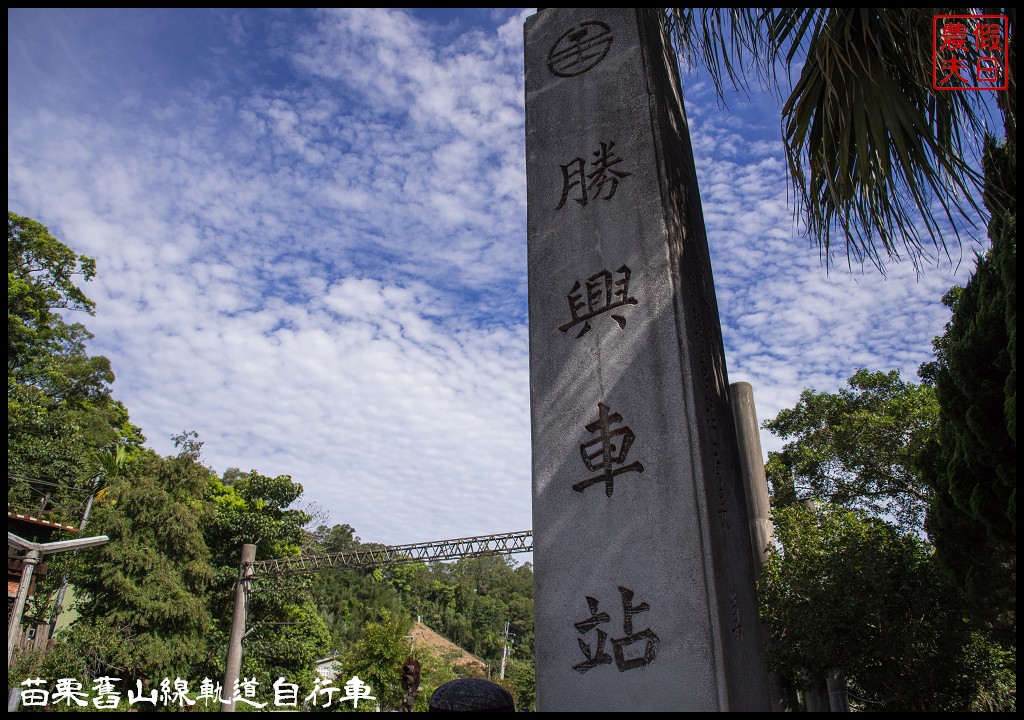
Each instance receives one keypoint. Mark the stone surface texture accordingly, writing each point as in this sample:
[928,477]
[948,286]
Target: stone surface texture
[644,578]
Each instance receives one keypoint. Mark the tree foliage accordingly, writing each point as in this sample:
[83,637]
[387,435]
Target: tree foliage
[156,601]
[851,591]
[46,454]
[142,595]
[467,601]
[349,598]
[858,447]
[287,632]
[41,282]
[256,509]
[59,405]
[854,585]
[973,464]
[378,656]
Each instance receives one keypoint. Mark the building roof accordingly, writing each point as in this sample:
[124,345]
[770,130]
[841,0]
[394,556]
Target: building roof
[28,519]
[422,634]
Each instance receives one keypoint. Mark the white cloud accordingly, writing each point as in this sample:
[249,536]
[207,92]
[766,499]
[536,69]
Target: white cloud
[324,272]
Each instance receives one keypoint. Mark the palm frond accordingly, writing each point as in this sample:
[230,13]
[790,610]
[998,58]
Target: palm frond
[879,161]
[729,42]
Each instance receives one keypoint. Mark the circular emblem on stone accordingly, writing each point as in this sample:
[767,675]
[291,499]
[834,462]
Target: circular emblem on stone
[580,48]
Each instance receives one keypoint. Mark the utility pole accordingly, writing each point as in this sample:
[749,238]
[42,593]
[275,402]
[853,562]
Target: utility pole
[58,606]
[504,653]
[234,662]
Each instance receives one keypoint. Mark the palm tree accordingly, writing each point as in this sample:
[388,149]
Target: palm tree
[874,152]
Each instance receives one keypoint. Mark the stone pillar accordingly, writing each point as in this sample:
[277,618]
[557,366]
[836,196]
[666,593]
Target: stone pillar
[762,531]
[644,581]
[816,696]
[838,695]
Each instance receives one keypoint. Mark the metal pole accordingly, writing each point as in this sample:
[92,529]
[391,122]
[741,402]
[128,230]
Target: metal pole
[58,606]
[14,624]
[234,663]
[504,653]
[33,553]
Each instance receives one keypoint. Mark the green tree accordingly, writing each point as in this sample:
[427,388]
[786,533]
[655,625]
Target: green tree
[256,509]
[142,595]
[287,631]
[858,447]
[843,578]
[470,600]
[872,149]
[41,272]
[973,464]
[59,407]
[436,668]
[154,602]
[467,601]
[522,682]
[46,455]
[349,598]
[847,590]
[339,538]
[377,658]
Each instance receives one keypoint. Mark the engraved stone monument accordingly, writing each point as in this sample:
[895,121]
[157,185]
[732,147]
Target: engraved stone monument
[645,595]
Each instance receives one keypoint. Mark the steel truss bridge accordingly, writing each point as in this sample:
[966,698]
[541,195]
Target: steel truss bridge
[383,555]
[251,570]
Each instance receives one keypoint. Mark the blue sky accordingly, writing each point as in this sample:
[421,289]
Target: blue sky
[310,234]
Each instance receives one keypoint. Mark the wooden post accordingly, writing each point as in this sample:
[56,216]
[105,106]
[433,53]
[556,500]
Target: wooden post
[234,663]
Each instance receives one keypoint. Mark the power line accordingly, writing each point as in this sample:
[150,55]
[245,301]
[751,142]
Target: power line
[40,483]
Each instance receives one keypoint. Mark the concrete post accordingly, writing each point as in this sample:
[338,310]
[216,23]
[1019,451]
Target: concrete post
[748,437]
[29,561]
[816,697]
[762,531]
[838,696]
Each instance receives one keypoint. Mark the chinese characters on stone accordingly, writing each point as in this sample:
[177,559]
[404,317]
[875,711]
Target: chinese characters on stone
[629,654]
[600,295]
[107,696]
[589,185]
[578,50]
[970,52]
[612,446]
[734,613]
